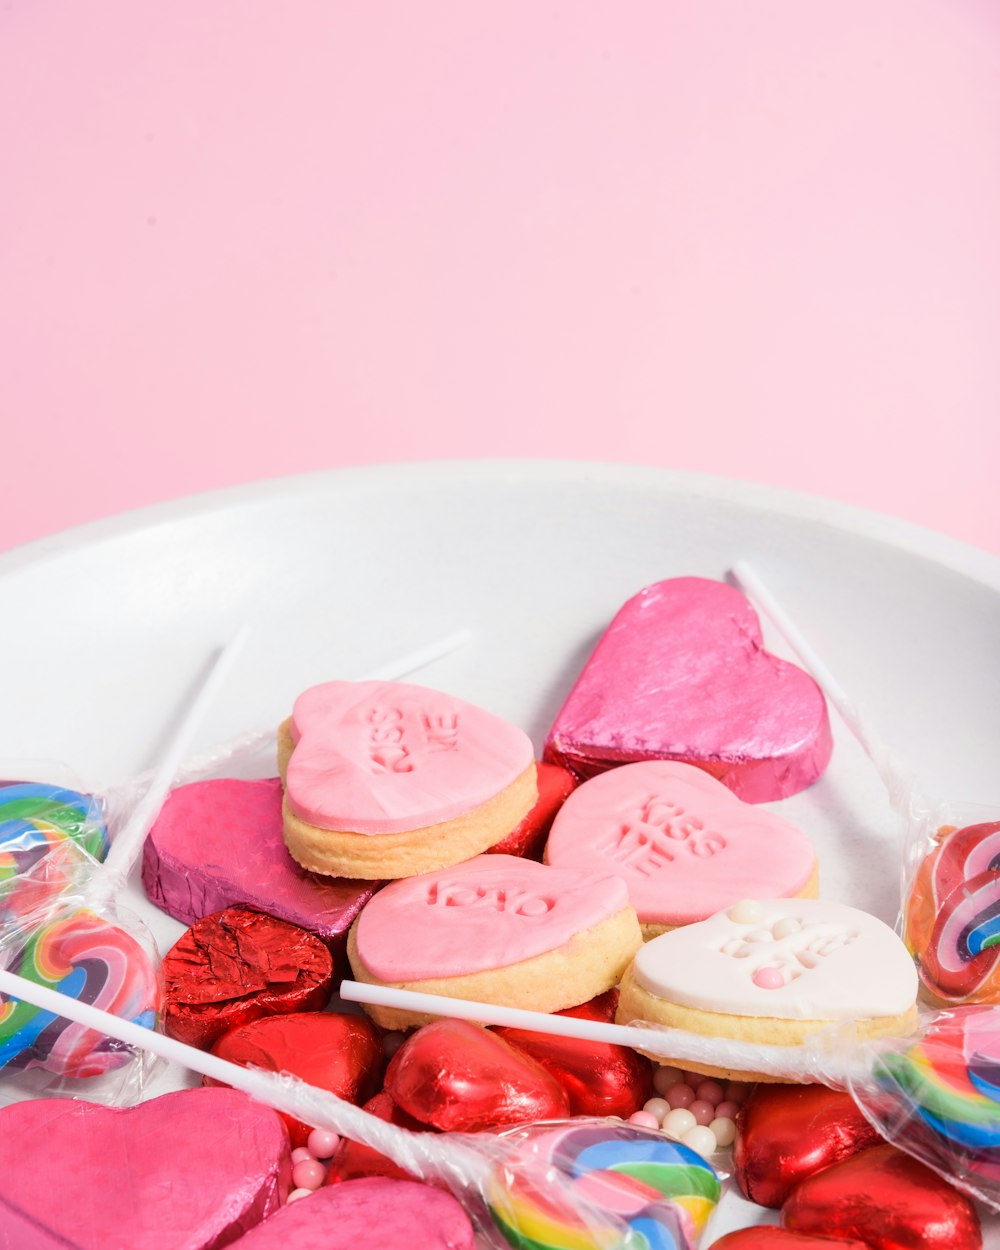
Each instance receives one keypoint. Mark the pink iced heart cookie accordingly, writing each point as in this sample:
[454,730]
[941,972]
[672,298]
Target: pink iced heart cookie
[186,1171]
[218,844]
[773,972]
[496,929]
[686,846]
[349,1215]
[384,779]
[681,673]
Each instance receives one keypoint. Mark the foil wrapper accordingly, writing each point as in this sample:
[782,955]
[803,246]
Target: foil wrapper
[332,1051]
[786,1133]
[238,966]
[681,674]
[886,1199]
[219,844]
[192,1170]
[555,785]
[352,1160]
[396,1212]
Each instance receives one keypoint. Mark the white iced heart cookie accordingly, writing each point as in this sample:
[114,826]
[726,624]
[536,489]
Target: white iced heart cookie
[772,972]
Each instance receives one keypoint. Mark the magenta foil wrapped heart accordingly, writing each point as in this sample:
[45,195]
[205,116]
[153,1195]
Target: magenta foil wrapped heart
[682,674]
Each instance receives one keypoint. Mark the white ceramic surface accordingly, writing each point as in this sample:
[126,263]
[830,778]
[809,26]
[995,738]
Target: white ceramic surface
[105,629]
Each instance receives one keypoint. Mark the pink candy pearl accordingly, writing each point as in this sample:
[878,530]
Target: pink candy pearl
[391,1043]
[726,1111]
[769,978]
[666,1076]
[680,1095]
[703,1112]
[643,1119]
[322,1143]
[737,1091]
[710,1091]
[694,1079]
[308,1174]
[658,1107]
[301,1155]
[296,1194]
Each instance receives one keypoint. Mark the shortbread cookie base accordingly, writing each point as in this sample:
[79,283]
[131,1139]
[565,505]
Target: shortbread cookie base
[386,856]
[636,1003]
[588,965]
[809,890]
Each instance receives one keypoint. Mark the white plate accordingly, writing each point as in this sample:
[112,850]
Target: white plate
[106,628]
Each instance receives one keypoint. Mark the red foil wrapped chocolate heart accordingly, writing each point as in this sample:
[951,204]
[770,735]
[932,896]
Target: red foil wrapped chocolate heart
[886,1199]
[555,785]
[786,1133]
[767,1238]
[598,1078]
[237,966]
[351,1160]
[461,1078]
[337,1052]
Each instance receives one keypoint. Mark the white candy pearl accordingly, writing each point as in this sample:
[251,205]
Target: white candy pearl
[678,1122]
[786,927]
[666,1076]
[746,911]
[724,1130]
[701,1140]
[658,1107]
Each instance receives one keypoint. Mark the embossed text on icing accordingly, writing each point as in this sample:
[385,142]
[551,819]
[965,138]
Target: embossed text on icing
[660,831]
[489,897]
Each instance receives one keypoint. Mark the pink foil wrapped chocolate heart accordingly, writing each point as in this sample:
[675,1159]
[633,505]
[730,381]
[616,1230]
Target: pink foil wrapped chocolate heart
[219,844]
[376,1211]
[681,673]
[460,1078]
[187,1171]
[331,1050]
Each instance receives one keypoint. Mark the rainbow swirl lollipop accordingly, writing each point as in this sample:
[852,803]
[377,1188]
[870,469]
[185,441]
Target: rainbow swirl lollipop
[627,1188]
[34,819]
[86,958]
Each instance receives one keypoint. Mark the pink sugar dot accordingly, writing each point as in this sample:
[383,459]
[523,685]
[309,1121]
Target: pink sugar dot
[680,1095]
[300,1155]
[703,1112]
[322,1143]
[726,1110]
[737,1091]
[643,1119]
[710,1091]
[296,1194]
[308,1174]
[769,978]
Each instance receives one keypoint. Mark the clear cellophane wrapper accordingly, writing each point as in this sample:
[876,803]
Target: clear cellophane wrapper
[62,926]
[950,912]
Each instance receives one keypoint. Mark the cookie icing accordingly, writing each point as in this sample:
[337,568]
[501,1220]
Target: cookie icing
[793,959]
[486,913]
[387,757]
[685,844]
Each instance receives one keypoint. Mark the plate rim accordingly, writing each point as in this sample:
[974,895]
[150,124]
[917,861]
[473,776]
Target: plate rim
[975,562]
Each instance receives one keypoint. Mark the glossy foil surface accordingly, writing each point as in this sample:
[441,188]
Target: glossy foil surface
[237,966]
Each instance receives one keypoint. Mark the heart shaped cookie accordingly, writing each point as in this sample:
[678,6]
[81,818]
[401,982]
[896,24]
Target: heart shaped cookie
[496,929]
[681,673]
[686,846]
[186,1171]
[328,1049]
[385,779]
[599,1078]
[886,1199]
[394,1212]
[460,1078]
[219,844]
[787,1133]
[773,972]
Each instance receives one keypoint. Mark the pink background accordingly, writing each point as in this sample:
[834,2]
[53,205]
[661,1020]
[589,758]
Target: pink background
[243,239]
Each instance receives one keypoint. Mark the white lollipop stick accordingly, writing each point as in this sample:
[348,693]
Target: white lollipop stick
[896,776]
[424,1154]
[677,1045]
[420,657]
[129,842]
